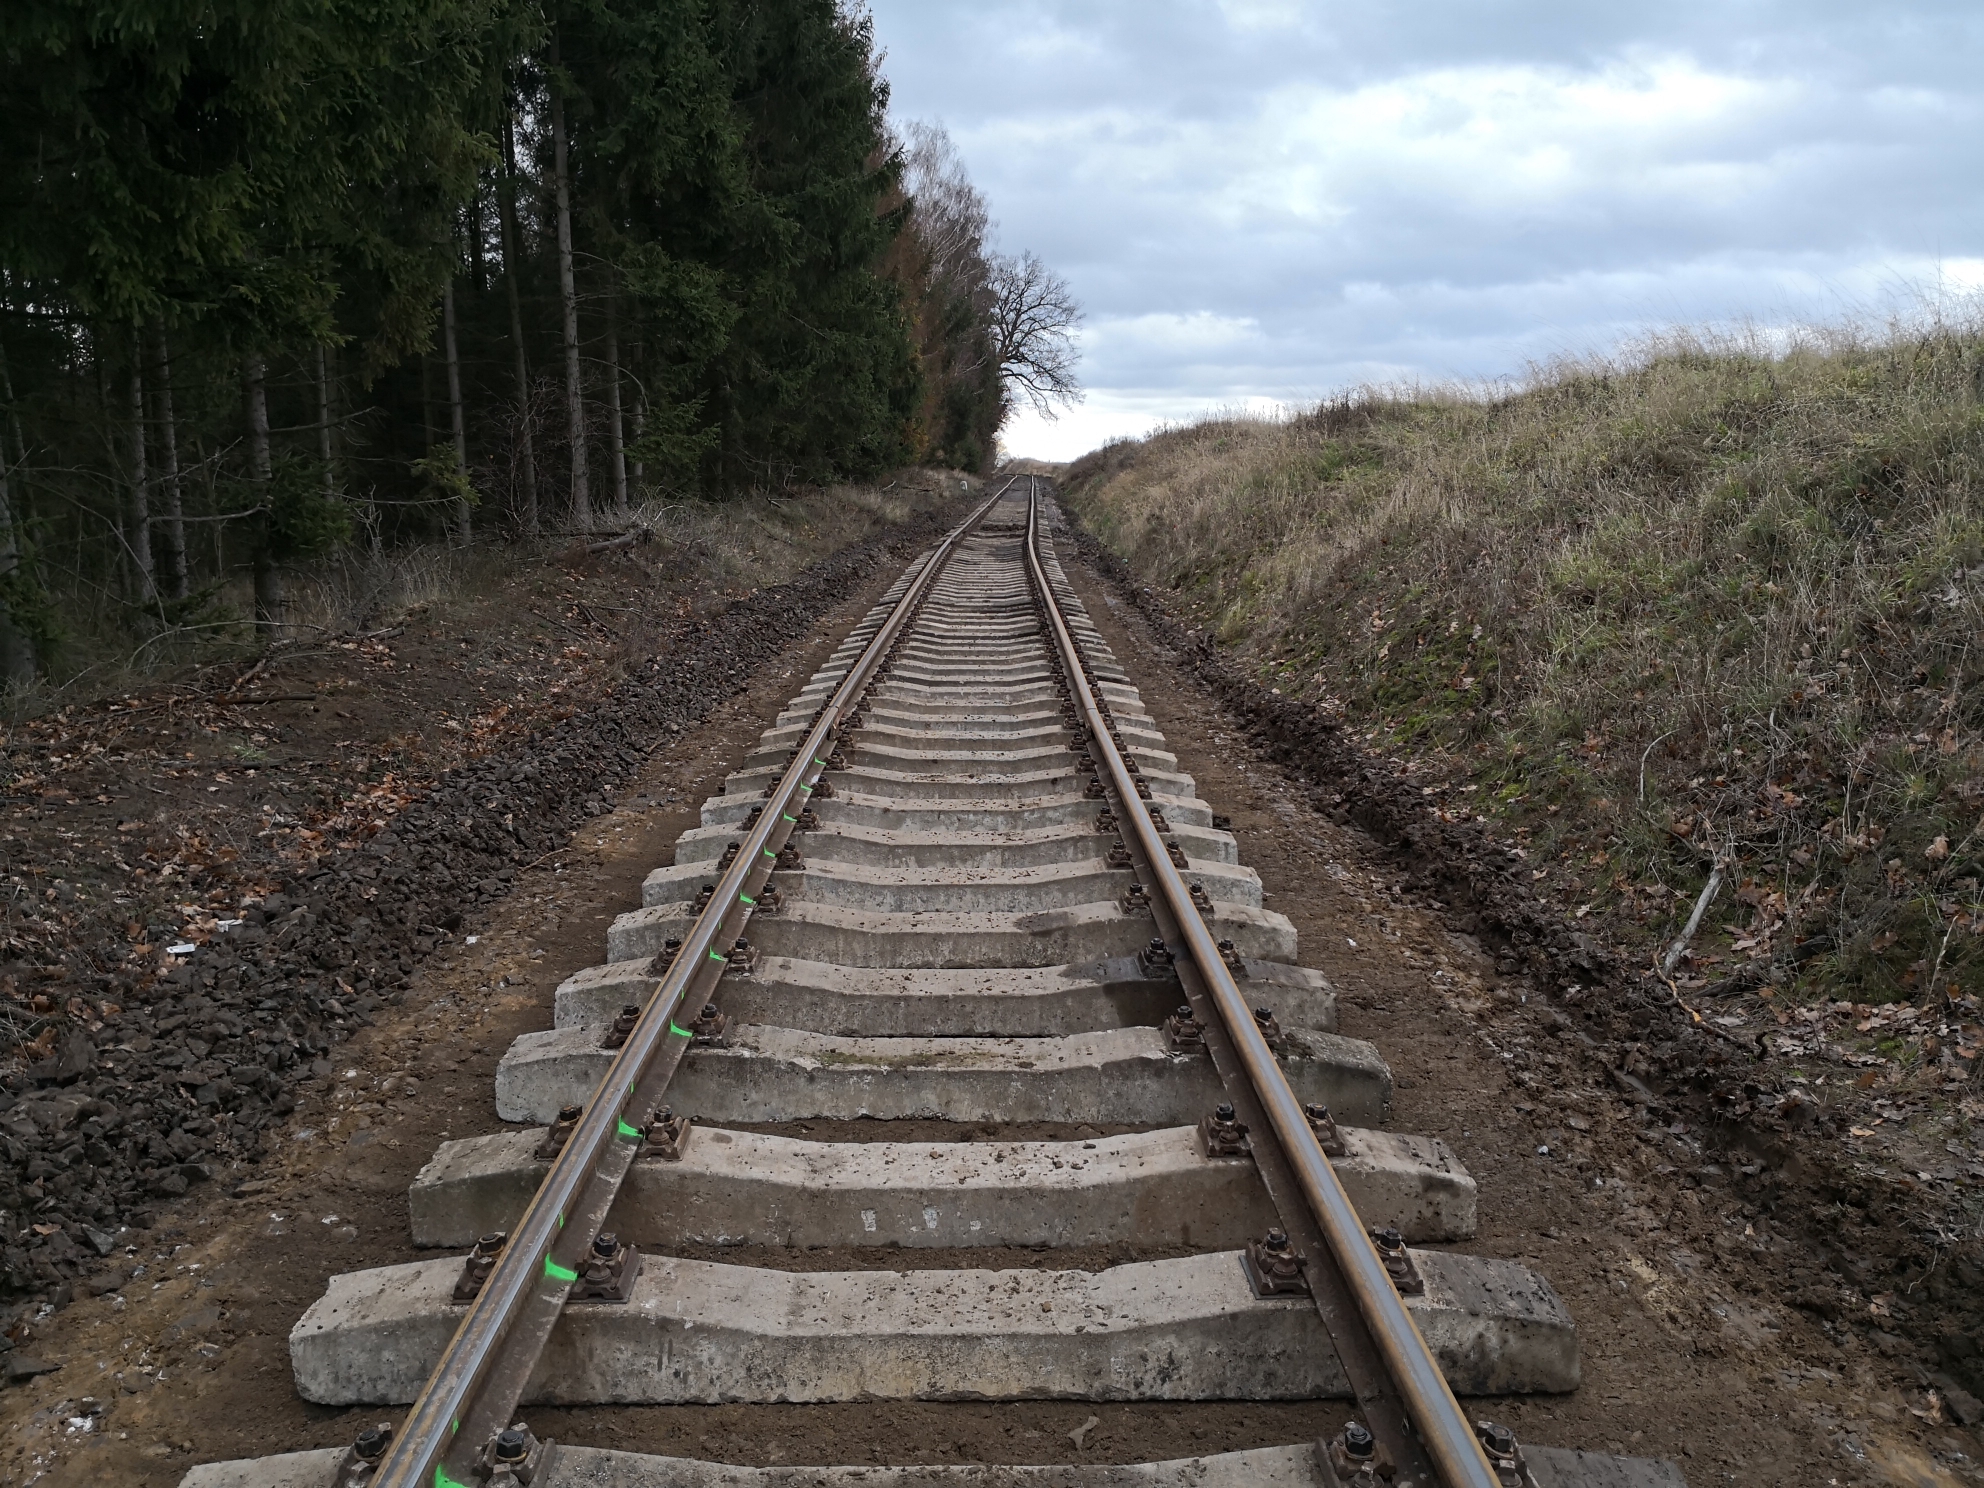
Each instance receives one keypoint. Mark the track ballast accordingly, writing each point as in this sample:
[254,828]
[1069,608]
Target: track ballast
[961,891]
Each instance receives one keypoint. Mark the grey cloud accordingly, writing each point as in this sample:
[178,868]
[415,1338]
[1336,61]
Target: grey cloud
[1458,213]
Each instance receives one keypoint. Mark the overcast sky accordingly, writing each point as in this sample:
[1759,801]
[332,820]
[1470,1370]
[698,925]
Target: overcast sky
[1260,201]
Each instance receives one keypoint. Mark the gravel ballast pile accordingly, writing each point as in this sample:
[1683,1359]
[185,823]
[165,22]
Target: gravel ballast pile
[156,1081]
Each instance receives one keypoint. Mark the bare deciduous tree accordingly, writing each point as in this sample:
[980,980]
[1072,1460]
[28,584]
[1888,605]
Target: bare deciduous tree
[1033,324]
[950,217]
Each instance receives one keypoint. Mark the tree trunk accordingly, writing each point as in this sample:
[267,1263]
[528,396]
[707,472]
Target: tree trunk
[457,424]
[330,476]
[172,525]
[640,472]
[615,434]
[476,267]
[16,650]
[326,454]
[427,403]
[138,533]
[506,204]
[575,408]
[269,599]
[18,581]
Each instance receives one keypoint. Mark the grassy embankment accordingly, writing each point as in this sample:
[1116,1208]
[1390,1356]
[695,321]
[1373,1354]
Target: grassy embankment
[1706,603]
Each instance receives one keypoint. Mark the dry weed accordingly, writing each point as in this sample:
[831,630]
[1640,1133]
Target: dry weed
[1710,600]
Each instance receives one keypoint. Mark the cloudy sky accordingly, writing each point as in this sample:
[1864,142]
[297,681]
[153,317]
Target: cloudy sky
[1260,201]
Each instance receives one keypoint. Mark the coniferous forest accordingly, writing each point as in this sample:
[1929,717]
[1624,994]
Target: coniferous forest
[281,277]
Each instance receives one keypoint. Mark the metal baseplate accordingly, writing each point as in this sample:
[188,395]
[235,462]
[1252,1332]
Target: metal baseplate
[513,1458]
[1354,1458]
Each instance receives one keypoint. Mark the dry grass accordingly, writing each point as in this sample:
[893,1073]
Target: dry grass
[729,547]
[1706,600]
[740,544]
[757,540]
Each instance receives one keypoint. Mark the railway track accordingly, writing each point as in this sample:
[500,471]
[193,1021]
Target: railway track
[960,891]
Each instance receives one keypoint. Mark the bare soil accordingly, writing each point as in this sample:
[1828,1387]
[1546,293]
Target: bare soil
[188,1360]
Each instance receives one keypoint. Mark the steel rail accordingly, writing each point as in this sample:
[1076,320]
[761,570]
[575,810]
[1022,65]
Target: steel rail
[1442,1429]
[481,1376]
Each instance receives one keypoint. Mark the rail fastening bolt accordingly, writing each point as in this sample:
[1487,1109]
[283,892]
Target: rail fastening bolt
[1498,1439]
[1358,1441]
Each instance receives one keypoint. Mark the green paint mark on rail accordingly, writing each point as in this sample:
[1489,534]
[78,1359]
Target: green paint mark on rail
[718,956]
[629,1131]
[674,1027]
[790,817]
[746,899]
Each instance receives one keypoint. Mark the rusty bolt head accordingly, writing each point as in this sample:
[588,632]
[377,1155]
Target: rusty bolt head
[1499,1440]
[1316,1111]
[605,1245]
[489,1244]
[569,1115]
[372,1443]
[1223,1112]
[1358,1441]
[1390,1241]
[1275,1240]
[512,1445]
[661,1114]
